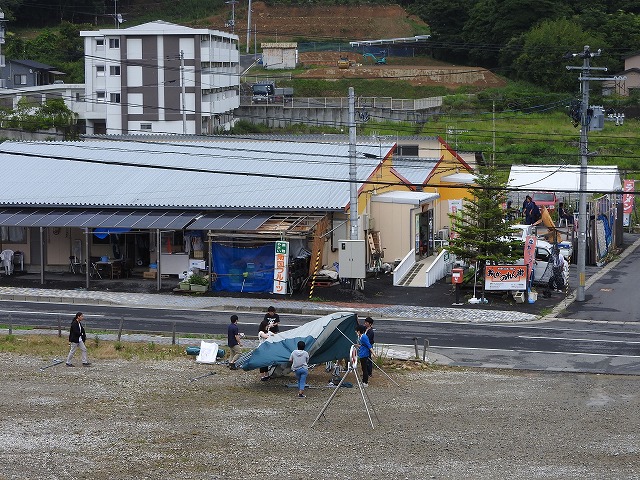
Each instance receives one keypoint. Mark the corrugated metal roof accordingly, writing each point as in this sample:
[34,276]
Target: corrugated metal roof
[34,217]
[222,175]
[414,169]
[220,223]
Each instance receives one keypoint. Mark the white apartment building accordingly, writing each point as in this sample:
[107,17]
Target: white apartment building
[160,78]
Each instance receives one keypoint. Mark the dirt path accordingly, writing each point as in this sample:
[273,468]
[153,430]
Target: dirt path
[131,419]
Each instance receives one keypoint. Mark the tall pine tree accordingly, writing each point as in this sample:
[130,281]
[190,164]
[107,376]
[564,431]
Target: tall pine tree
[481,232]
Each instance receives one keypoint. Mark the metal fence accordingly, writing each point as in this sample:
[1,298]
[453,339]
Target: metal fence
[360,102]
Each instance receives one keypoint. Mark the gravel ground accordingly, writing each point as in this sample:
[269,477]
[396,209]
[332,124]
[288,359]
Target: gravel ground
[146,420]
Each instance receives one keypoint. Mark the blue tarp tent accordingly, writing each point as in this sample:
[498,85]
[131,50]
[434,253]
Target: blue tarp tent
[244,269]
[327,338]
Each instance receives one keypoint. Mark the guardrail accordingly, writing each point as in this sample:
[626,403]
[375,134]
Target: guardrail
[360,102]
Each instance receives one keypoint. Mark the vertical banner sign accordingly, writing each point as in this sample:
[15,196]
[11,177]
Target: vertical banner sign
[530,252]
[281,268]
[627,202]
[455,208]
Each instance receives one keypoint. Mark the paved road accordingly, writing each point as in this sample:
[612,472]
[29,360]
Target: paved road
[612,296]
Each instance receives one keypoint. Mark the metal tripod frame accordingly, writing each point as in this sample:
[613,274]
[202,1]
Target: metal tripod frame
[368,405]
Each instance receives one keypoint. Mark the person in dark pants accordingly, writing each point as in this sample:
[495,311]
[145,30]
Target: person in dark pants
[556,282]
[77,339]
[562,213]
[368,325]
[531,211]
[233,341]
[364,353]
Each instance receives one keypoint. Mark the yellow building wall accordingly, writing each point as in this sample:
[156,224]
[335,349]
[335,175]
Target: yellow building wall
[447,166]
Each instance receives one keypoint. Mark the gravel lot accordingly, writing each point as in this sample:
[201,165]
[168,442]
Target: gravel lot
[131,419]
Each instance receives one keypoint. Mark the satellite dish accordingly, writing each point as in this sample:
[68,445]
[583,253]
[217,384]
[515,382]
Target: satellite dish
[120,19]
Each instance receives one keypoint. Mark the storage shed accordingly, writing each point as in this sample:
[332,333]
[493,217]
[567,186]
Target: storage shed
[278,56]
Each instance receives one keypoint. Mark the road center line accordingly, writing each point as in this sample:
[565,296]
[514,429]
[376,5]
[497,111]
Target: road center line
[579,339]
[64,314]
[546,352]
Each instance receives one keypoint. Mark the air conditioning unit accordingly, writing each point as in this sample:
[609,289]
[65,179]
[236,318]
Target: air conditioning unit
[443,234]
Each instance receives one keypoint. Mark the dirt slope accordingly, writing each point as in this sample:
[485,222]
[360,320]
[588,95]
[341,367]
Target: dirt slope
[321,23]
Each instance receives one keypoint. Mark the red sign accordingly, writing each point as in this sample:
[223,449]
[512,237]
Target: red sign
[627,198]
[505,277]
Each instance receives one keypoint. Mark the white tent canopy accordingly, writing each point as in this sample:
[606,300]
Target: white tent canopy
[564,178]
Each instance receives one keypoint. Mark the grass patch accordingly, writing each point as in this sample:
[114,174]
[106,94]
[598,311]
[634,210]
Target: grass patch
[47,346]
[16,327]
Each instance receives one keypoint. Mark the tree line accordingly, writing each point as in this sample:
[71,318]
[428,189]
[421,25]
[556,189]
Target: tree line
[528,39]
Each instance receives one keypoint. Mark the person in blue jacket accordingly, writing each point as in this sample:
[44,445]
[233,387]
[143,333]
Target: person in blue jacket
[364,353]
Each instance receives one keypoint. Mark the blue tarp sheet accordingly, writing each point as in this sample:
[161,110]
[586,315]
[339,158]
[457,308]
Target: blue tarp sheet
[326,338]
[243,269]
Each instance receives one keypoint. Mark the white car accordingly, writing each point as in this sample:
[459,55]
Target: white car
[543,264]
[521,232]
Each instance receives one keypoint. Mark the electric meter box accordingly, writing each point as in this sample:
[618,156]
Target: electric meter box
[351,258]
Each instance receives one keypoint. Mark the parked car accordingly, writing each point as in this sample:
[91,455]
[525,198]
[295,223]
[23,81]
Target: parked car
[543,264]
[520,232]
[545,199]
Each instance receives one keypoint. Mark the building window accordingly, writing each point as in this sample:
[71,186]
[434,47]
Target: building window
[145,126]
[407,151]
[99,42]
[114,70]
[20,79]
[114,97]
[100,95]
[14,234]
[99,70]
[114,43]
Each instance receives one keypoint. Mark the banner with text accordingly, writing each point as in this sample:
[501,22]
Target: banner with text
[627,202]
[505,277]
[281,268]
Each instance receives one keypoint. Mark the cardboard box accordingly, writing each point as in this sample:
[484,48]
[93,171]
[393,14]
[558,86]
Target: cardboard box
[150,274]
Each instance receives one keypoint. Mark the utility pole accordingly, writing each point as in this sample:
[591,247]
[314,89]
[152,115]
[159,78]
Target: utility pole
[585,121]
[353,170]
[493,153]
[249,26]
[184,94]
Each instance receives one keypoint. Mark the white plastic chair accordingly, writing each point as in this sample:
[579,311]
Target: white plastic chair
[75,264]
[6,256]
